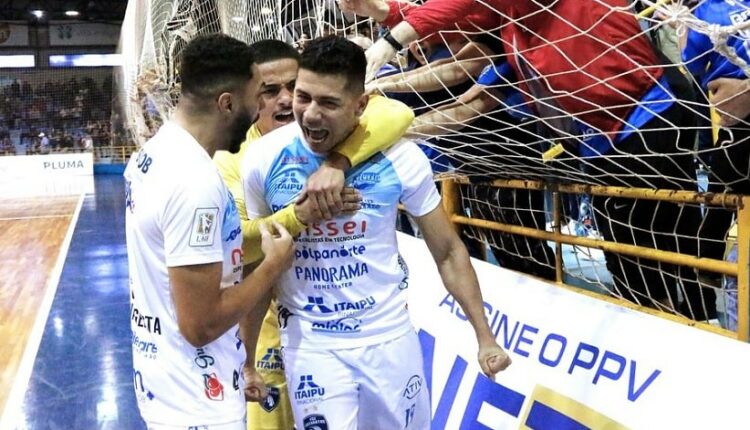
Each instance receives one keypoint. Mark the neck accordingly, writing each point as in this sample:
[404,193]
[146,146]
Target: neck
[204,128]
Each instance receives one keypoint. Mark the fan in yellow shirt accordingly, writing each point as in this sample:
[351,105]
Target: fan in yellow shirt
[382,124]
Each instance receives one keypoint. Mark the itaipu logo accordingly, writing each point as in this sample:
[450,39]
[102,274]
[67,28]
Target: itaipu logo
[271,360]
[308,391]
[288,182]
[317,303]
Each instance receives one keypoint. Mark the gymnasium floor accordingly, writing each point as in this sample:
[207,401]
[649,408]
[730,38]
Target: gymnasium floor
[81,377]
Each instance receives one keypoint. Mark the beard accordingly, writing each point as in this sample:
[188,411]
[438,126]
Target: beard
[238,131]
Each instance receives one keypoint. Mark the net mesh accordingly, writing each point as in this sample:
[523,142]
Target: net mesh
[559,93]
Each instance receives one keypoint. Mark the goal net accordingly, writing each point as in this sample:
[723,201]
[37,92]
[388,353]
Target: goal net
[612,92]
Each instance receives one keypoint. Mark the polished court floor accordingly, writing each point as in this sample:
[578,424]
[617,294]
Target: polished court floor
[81,377]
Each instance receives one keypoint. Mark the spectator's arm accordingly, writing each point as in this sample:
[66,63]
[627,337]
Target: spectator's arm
[454,116]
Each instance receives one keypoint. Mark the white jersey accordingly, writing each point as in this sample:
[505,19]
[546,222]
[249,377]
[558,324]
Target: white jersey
[180,213]
[346,287]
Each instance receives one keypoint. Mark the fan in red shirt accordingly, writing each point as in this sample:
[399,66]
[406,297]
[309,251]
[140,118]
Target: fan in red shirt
[592,66]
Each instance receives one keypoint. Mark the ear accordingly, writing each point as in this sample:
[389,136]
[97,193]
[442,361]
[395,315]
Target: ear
[224,102]
[361,104]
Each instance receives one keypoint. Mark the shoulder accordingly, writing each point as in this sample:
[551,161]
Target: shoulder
[404,148]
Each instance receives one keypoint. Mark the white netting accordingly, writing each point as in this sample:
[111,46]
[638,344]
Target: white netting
[571,80]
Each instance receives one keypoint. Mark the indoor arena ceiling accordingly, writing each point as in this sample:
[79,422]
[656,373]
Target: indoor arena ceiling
[88,10]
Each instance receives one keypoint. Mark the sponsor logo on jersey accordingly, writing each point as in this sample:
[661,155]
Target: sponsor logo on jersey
[150,323]
[212,387]
[204,225]
[294,160]
[144,348]
[315,422]
[236,380]
[328,254]
[233,234]
[334,231]
[129,202]
[343,325]
[340,273]
[203,359]
[271,360]
[365,180]
[404,284]
[317,303]
[288,183]
[283,317]
[272,399]
[308,391]
[413,387]
[141,392]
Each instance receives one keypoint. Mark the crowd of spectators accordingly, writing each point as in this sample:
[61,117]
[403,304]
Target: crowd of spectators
[57,116]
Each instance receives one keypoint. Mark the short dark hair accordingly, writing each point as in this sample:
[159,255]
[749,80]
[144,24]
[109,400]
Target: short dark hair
[268,50]
[214,63]
[335,55]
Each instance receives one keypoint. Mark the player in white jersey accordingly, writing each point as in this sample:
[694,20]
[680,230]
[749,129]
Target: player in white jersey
[351,356]
[185,248]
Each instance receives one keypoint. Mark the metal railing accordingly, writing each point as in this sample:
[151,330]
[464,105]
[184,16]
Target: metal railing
[741,269]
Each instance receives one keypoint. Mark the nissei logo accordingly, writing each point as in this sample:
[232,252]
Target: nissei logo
[343,325]
[413,387]
[315,302]
[271,360]
[308,391]
[334,228]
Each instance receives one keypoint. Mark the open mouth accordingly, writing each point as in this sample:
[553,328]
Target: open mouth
[284,117]
[315,135]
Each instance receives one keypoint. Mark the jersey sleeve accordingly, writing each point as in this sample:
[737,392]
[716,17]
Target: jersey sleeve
[382,124]
[191,222]
[255,208]
[418,194]
[695,54]
[436,15]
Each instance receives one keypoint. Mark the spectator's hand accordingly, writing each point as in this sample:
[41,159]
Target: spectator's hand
[308,211]
[731,97]
[376,9]
[492,359]
[278,248]
[255,388]
[379,53]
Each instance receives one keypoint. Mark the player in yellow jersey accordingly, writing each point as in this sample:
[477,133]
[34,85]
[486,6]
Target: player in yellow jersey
[382,124]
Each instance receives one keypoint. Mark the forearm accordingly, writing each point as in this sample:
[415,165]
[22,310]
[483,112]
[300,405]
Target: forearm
[250,327]
[383,123]
[453,116]
[461,282]
[205,314]
[251,232]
